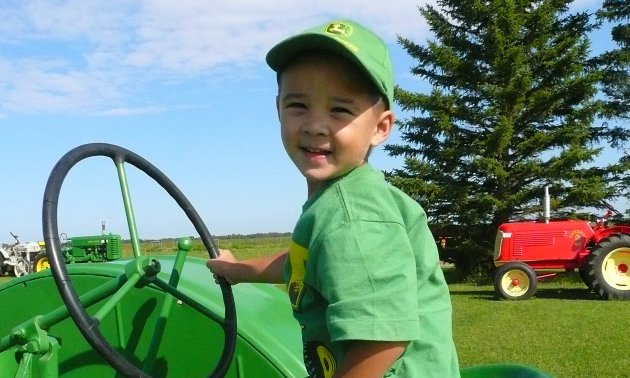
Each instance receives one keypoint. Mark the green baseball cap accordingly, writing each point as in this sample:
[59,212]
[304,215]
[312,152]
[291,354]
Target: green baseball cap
[347,39]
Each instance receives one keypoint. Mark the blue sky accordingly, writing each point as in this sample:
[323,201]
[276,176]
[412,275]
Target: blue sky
[183,84]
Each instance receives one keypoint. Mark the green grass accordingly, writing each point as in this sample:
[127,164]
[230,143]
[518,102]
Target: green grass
[564,330]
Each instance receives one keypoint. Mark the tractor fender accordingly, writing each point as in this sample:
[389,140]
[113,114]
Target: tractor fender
[603,233]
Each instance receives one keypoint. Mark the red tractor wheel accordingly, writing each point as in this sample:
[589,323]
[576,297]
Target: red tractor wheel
[515,281]
[609,265]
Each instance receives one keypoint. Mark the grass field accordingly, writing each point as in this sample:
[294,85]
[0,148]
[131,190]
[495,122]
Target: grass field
[564,330]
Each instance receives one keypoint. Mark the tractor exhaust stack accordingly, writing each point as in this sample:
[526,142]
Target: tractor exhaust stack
[547,204]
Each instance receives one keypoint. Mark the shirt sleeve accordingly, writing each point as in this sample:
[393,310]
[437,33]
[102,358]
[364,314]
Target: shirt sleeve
[367,273]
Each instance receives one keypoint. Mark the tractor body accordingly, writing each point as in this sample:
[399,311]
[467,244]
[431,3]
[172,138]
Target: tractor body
[554,245]
[96,248]
[268,341]
[84,249]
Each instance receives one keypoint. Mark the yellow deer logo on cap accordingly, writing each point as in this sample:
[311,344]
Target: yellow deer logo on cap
[339,29]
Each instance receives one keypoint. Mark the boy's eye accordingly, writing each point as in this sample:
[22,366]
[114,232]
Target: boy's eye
[340,109]
[295,105]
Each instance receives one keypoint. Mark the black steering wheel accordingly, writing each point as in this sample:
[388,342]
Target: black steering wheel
[89,326]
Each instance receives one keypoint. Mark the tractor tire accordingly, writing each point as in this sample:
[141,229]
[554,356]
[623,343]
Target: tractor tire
[41,262]
[609,265]
[21,268]
[586,277]
[515,281]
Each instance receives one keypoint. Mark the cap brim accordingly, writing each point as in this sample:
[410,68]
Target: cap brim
[282,53]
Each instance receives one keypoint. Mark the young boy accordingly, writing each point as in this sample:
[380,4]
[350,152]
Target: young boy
[362,271]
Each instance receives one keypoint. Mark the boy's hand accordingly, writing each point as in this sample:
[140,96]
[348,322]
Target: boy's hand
[267,269]
[222,266]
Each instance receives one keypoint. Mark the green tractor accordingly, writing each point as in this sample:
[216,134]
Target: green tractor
[84,249]
[149,316]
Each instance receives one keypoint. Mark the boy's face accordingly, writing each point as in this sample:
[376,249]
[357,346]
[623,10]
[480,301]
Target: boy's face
[330,116]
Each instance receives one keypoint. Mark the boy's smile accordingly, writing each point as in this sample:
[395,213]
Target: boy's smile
[314,154]
[330,116]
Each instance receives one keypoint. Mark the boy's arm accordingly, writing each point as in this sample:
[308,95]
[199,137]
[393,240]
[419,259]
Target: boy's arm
[370,358]
[266,269]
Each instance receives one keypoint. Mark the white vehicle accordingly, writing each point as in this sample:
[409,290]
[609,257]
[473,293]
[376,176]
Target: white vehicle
[18,257]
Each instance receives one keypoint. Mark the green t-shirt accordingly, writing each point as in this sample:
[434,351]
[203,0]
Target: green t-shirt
[363,265]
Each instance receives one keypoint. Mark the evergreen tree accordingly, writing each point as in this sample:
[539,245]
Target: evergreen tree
[616,63]
[512,109]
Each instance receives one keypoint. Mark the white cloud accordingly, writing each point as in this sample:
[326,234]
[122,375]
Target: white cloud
[50,86]
[76,19]
[79,55]
[125,111]
[75,55]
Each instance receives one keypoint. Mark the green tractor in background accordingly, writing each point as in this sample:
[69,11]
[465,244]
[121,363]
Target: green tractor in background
[84,249]
[150,316]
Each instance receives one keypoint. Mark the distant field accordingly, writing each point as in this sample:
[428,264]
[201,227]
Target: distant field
[563,330]
[242,247]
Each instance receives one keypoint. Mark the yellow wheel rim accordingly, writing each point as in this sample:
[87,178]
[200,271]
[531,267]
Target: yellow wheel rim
[616,268]
[42,264]
[515,282]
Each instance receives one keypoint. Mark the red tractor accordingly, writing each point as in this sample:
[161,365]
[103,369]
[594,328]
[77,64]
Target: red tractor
[526,252]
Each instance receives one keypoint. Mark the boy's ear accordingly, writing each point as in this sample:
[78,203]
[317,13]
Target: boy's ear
[384,127]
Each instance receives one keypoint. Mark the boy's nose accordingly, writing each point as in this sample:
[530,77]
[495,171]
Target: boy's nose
[315,126]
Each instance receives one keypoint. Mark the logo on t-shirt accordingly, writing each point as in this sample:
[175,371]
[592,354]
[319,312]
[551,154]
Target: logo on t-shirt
[297,259]
[318,360]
